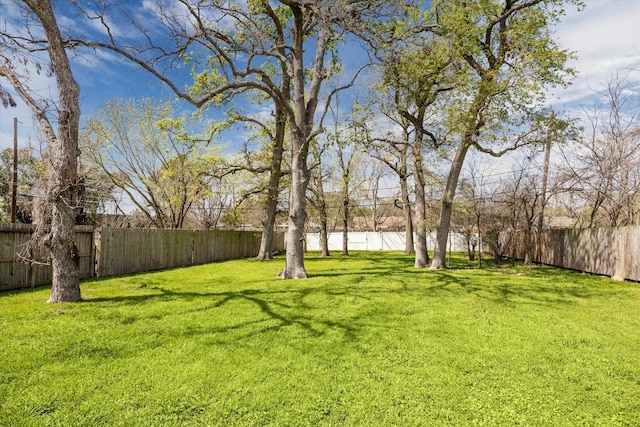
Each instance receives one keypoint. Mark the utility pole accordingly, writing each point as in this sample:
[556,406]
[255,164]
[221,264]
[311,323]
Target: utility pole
[14,186]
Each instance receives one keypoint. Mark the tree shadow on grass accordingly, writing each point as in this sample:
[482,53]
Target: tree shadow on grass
[374,283]
[275,314]
[460,281]
[512,288]
[507,283]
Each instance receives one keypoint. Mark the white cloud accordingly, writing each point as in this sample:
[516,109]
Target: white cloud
[606,39]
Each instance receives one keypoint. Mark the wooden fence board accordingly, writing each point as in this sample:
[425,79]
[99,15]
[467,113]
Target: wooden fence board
[16,273]
[611,252]
[632,254]
[111,251]
[152,249]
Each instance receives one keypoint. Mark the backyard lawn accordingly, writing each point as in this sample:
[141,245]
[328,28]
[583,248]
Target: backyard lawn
[366,341]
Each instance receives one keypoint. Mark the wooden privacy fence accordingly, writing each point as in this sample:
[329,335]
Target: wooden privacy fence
[111,251]
[16,273]
[611,252]
[123,251]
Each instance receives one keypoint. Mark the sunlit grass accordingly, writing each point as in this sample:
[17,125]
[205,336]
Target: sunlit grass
[367,340]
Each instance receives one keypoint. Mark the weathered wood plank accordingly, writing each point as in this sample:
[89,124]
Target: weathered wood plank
[16,273]
[611,252]
[111,251]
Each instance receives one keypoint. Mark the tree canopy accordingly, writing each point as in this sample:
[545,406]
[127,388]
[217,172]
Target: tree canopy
[454,75]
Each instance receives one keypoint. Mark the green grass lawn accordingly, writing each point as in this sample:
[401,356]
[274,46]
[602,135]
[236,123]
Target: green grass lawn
[367,340]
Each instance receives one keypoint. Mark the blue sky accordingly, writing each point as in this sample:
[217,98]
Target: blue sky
[605,36]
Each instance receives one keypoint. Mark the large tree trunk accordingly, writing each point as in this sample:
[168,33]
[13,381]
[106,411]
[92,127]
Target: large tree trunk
[406,203]
[65,260]
[440,250]
[268,230]
[324,234]
[294,265]
[63,180]
[408,221]
[345,223]
[321,204]
[62,191]
[301,126]
[270,210]
[422,256]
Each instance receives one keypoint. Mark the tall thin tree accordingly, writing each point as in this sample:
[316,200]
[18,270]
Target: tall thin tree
[510,56]
[22,51]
